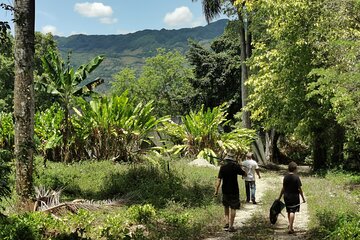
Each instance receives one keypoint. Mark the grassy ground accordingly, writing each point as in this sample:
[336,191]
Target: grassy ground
[167,201]
[175,201]
[333,205]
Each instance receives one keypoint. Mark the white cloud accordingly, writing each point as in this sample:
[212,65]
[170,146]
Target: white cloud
[107,20]
[49,29]
[94,9]
[180,17]
[198,22]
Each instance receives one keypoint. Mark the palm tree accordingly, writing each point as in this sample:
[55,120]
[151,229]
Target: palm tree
[65,83]
[211,9]
[24,96]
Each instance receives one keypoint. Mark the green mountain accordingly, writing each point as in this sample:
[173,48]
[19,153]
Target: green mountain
[130,50]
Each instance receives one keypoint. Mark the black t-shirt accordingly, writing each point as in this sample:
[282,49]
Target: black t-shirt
[228,173]
[291,184]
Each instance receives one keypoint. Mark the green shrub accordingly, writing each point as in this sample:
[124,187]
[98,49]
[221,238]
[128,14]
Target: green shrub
[5,171]
[348,227]
[28,226]
[118,228]
[142,213]
[114,127]
[6,131]
[200,135]
[338,226]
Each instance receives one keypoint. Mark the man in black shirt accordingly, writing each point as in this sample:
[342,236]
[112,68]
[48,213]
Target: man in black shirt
[228,175]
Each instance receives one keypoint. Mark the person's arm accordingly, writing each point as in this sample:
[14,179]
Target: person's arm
[281,193]
[258,173]
[217,186]
[302,194]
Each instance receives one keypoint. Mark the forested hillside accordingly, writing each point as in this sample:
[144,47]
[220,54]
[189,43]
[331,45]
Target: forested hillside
[131,49]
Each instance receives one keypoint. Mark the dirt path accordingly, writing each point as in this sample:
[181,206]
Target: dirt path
[244,214]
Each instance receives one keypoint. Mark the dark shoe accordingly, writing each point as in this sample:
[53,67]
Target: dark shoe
[226,227]
[291,231]
[232,229]
[247,201]
[254,202]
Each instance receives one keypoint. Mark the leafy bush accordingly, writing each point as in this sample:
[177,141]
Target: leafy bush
[115,128]
[141,213]
[201,135]
[338,226]
[26,227]
[5,170]
[6,130]
[48,125]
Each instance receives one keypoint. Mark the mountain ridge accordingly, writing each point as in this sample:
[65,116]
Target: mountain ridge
[131,49]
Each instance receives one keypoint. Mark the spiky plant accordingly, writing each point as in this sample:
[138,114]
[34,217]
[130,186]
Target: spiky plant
[115,127]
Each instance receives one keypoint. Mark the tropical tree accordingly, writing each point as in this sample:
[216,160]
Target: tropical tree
[213,8]
[7,75]
[308,50]
[66,83]
[164,79]
[24,96]
[217,72]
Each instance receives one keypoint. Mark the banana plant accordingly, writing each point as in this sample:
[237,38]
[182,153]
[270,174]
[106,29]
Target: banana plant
[66,83]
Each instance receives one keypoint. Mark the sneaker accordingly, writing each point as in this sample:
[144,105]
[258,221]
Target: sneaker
[254,202]
[232,229]
[226,226]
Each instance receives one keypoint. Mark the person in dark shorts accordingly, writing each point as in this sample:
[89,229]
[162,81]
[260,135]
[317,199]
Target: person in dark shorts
[291,190]
[227,178]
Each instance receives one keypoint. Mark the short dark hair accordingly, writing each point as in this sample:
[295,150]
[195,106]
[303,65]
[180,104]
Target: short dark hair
[250,155]
[292,166]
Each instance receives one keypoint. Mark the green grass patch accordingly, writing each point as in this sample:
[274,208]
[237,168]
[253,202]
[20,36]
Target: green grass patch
[333,206]
[174,202]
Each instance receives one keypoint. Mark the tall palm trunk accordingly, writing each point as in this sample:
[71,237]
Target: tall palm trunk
[245,44]
[24,96]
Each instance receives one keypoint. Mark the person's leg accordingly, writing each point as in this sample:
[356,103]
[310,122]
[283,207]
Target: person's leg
[232,217]
[252,190]
[291,222]
[247,188]
[227,218]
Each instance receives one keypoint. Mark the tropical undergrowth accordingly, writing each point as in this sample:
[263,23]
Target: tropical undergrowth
[163,201]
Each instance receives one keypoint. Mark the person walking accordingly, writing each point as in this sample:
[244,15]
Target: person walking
[291,190]
[251,167]
[227,178]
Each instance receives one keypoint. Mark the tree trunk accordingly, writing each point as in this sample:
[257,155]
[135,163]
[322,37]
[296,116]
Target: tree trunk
[338,146]
[24,97]
[319,151]
[271,150]
[245,50]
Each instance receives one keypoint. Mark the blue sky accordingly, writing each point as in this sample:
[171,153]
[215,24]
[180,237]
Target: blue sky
[68,17]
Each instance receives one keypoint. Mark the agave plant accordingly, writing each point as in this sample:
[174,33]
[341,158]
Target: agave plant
[201,134]
[116,128]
